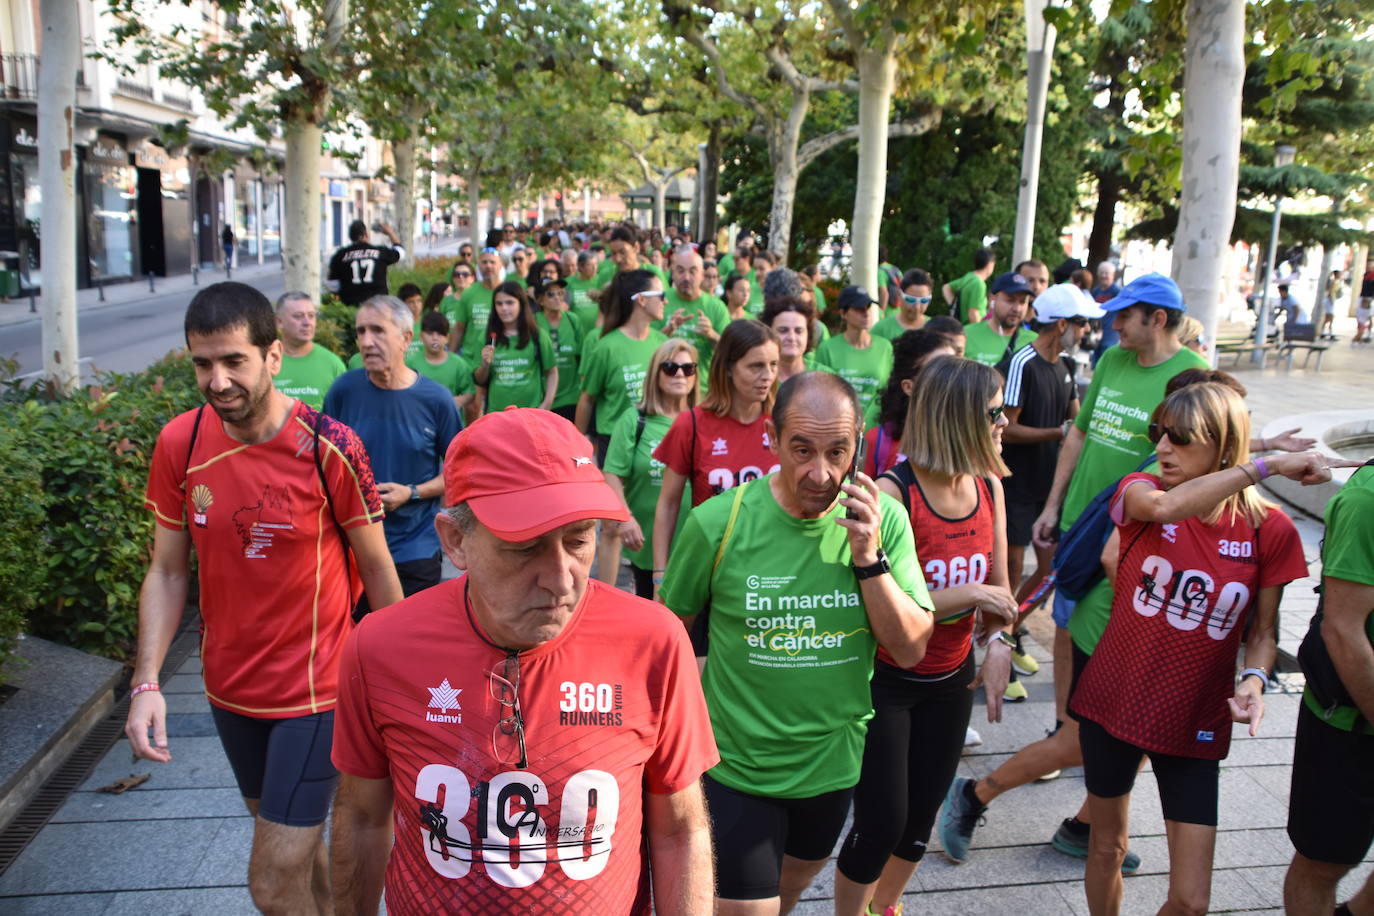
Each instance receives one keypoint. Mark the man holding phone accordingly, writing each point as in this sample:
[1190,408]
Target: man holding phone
[800,597]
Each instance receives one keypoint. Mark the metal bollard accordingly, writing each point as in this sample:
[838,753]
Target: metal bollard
[151,287]
[33,303]
[100,288]
[195,275]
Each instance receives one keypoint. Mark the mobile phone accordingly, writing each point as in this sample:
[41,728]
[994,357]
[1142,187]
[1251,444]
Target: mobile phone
[859,452]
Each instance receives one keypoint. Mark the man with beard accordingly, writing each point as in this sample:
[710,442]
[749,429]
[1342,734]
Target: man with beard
[280,504]
[1001,332]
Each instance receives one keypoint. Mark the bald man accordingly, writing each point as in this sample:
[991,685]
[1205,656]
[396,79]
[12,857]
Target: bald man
[704,316]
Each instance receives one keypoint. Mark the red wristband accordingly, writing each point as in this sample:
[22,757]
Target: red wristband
[144,688]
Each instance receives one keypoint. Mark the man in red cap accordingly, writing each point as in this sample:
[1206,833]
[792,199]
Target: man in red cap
[537,738]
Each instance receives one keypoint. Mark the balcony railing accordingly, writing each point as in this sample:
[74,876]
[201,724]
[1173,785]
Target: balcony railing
[19,76]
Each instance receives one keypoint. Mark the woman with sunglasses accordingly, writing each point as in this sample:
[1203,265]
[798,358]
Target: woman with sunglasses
[720,443]
[518,367]
[794,321]
[565,331]
[911,306]
[631,470]
[951,488]
[1196,555]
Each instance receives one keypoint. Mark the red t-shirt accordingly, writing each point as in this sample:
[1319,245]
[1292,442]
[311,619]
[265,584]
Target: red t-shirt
[881,451]
[1160,681]
[726,453]
[275,602]
[612,708]
[952,552]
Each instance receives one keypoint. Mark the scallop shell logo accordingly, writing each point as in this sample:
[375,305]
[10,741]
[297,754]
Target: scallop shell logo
[201,497]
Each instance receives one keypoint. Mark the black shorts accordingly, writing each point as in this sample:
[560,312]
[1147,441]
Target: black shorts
[1188,786]
[1021,518]
[282,763]
[602,443]
[1331,802]
[414,575]
[753,832]
[567,412]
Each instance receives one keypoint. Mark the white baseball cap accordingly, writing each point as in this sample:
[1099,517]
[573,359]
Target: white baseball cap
[1065,300]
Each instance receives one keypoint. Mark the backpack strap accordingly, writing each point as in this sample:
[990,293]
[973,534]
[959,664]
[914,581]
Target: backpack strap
[729,526]
[639,430]
[191,447]
[905,478]
[333,516]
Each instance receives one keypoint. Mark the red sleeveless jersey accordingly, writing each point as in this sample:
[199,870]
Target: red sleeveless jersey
[1161,675]
[952,552]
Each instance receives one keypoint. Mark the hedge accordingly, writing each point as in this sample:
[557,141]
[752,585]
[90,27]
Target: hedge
[72,477]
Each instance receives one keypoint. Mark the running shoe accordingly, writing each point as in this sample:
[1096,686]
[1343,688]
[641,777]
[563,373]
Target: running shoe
[887,910]
[1022,661]
[958,820]
[1015,693]
[1072,839]
[971,737]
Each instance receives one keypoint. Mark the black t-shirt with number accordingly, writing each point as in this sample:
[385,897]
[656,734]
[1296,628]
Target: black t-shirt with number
[360,270]
[1043,390]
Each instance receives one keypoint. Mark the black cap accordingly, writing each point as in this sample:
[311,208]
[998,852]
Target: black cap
[543,285]
[854,297]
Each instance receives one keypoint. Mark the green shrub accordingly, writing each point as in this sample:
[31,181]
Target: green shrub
[91,453]
[334,327]
[423,272]
[22,556]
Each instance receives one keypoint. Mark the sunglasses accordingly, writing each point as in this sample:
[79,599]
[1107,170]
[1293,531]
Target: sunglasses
[915,300]
[995,413]
[508,737]
[671,368]
[490,250]
[647,294]
[462,273]
[1078,320]
[1179,437]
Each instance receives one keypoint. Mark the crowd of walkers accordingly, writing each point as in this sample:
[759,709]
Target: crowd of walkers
[840,521]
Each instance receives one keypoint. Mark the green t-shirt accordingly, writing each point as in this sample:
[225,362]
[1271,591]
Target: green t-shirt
[791,649]
[453,373]
[715,312]
[355,361]
[308,377]
[473,310]
[580,303]
[604,271]
[518,373]
[725,264]
[1348,553]
[1115,417]
[820,298]
[613,371]
[867,370]
[889,328]
[567,344]
[642,476]
[518,279]
[754,307]
[985,345]
[448,307]
[970,294]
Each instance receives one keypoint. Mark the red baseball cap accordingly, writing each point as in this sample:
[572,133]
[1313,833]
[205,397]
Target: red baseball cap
[525,471]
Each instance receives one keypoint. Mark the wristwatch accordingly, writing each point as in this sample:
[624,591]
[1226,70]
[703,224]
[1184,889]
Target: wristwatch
[876,569]
[1004,637]
[414,492]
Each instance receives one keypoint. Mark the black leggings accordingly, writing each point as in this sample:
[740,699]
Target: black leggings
[912,752]
[644,582]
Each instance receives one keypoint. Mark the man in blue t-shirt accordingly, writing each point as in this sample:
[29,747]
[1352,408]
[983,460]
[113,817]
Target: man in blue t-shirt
[406,422]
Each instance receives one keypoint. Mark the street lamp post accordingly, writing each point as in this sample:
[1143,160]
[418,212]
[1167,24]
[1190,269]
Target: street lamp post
[1039,51]
[1283,156]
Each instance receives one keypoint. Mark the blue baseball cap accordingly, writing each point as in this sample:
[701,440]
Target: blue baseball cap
[1151,289]
[1010,282]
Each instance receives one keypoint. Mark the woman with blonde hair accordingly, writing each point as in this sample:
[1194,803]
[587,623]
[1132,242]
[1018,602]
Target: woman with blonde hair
[950,485]
[671,387]
[1196,555]
[1192,334]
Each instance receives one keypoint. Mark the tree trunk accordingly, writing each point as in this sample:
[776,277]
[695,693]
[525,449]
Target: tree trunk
[710,186]
[477,237]
[301,246]
[1357,267]
[877,72]
[660,203]
[403,151]
[1214,70]
[783,139]
[57,180]
[1104,219]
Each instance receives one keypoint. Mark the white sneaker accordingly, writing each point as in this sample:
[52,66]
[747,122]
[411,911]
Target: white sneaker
[972,738]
